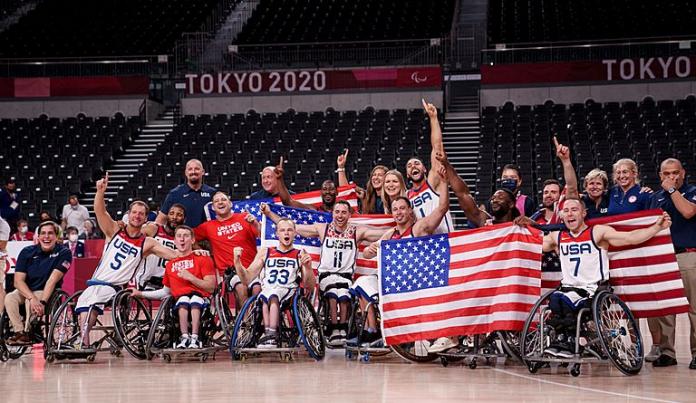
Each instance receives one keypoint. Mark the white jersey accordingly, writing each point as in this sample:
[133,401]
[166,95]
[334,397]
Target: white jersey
[281,268]
[583,263]
[120,260]
[424,201]
[339,250]
[153,265]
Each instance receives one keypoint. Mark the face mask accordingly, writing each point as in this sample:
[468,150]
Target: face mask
[509,184]
[72,238]
[23,230]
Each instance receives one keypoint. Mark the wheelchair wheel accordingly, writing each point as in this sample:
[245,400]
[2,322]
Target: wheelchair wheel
[160,334]
[64,331]
[416,351]
[510,341]
[132,321]
[247,327]
[533,340]
[309,326]
[619,333]
[8,352]
[223,318]
[54,303]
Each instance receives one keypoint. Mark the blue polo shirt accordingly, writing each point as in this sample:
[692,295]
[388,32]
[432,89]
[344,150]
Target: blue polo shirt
[263,194]
[193,201]
[594,211]
[38,265]
[629,202]
[683,231]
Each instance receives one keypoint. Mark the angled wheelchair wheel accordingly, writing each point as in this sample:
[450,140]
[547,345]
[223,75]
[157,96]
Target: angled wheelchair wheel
[416,351]
[510,341]
[160,335]
[223,318]
[248,327]
[309,326]
[619,332]
[8,352]
[132,321]
[64,331]
[534,340]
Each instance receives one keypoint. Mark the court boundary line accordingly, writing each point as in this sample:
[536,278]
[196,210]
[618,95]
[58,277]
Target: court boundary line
[584,388]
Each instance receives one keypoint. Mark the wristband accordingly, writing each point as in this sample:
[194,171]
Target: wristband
[671,190]
[341,170]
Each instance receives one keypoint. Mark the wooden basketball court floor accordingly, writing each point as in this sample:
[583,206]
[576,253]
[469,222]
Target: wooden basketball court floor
[335,379]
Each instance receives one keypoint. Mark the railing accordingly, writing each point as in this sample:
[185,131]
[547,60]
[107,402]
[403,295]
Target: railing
[597,51]
[151,65]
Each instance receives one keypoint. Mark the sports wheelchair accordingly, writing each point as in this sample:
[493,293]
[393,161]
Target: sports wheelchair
[605,331]
[299,324]
[38,328]
[488,347]
[164,334]
[129,316]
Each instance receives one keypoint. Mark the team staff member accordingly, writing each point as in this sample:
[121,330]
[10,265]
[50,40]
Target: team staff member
[193,195]
[678,199]
[627,196]
[227,231]
[40,269]
[4,236]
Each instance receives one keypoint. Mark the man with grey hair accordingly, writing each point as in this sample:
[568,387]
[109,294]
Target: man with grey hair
[678,199]
[193,195]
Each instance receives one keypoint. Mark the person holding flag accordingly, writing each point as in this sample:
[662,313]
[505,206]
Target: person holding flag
[329,193]
[281,268]
[339,250]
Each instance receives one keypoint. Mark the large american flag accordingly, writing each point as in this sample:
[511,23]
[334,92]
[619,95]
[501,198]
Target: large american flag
[313,245]
[645,276]
[466,282]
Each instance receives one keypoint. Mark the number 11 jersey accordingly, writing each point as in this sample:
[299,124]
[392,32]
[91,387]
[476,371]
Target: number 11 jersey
[339,250]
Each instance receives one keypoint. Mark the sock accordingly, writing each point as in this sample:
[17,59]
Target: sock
[184,335]
[194,336]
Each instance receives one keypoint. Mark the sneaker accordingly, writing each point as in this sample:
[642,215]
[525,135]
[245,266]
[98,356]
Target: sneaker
[692,365]
[195,343]
[655,352]
[19,339]
[564,352]
[441,344]
[373,340]
[183,342]
[664,361]
[335,338]
[551,350]
[267,342]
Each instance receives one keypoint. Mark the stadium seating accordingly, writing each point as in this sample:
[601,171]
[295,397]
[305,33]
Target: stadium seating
[103,28]
[598,135]
[516,21]
[51,158]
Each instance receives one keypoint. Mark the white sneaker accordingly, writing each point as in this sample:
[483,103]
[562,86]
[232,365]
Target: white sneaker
[655,352]
[335,338]
[183,342]
[441,344]
[195,343]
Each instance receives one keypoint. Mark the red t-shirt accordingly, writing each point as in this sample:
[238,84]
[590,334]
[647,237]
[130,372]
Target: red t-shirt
[225,235]
[199,266]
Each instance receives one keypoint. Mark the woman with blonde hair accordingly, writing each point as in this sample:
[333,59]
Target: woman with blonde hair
[627,196]
[595,197]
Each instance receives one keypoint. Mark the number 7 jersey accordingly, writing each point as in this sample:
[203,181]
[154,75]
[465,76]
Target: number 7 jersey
[583,263]
[120,259]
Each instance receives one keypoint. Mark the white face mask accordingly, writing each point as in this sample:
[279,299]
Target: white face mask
[23,229]
[72,238]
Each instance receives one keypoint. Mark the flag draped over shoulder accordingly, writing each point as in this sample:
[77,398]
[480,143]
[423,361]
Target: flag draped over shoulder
[645,276]
[465,282]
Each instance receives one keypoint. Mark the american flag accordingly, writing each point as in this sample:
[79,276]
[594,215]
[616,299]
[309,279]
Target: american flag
[313,197]
[313,245]
[645,276]
[466,282]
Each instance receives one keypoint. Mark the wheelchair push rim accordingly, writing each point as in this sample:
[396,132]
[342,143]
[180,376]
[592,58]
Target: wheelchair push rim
[619,333]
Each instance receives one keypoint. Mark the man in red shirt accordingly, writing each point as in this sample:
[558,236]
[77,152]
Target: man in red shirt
[190,279]
[228,231]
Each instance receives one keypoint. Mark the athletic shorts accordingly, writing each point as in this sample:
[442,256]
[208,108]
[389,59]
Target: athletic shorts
[236,280]
[95,295]
[191,301]
[282,294]
[366,287]
[335,286]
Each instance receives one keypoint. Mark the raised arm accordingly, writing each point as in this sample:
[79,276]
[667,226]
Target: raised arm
[341,164]
[571,179]
[428,224]
[435,142]
[283,193]
[606,234]
[108,226]
[305,230]
[247,274]
[461,190]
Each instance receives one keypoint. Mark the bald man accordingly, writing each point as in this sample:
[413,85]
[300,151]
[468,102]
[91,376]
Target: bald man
[270,184]
[193,195]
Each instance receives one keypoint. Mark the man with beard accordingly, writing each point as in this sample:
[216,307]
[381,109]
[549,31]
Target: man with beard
[227,231]
[366,287]
[328,193]
[422,196]
[151,270]
[193,195]
[339,249]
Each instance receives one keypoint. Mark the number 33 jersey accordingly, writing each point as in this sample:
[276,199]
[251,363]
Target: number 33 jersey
[339,250]
[120,259]
[281,268]
[583,263]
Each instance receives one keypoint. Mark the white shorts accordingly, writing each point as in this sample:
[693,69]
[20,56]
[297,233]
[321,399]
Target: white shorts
[335,286]
[367,287]
[192,301]
[94,295]
[282,294]
[236,280]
